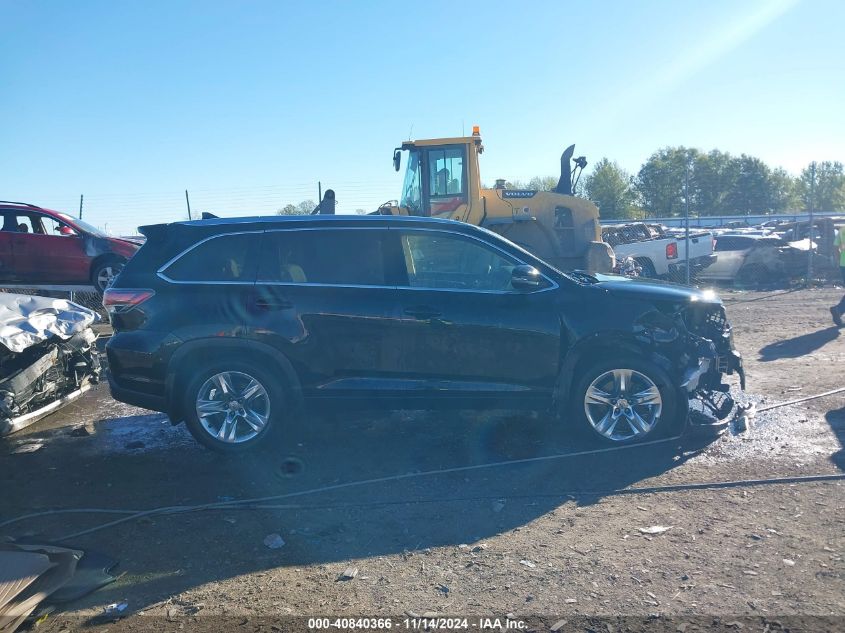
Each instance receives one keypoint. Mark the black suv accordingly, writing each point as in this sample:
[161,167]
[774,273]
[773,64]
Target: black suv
[233,325]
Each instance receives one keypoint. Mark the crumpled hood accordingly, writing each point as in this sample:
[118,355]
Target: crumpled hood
[649,289]
[26,320]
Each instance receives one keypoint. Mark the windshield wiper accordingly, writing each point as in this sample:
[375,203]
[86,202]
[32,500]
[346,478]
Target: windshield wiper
[581,277]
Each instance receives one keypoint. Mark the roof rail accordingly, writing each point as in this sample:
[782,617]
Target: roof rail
[23,204]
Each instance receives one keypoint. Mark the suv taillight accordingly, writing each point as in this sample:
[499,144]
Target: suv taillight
[117,300]
[672,250]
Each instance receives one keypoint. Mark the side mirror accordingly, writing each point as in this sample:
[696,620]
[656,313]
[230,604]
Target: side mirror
[526,278]
[397,159]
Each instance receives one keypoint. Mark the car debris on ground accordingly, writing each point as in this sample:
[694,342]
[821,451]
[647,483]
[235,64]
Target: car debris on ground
[48,357]
[348,574]
[36,577]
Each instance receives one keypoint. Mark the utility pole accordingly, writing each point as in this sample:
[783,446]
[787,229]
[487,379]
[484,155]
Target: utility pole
[810,232]
[188,202]
[319,192]
[686,224]
[80,205]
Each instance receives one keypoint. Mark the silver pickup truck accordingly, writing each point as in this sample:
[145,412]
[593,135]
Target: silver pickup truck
[659,251]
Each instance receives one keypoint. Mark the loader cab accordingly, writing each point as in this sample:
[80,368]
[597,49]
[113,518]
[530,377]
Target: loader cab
[438,177]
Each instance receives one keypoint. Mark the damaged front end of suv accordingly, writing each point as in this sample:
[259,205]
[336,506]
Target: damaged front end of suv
[48,357]
[697,336]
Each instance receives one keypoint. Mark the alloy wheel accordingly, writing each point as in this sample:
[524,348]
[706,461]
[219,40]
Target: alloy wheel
[233,407]
[623,404]
[106,275]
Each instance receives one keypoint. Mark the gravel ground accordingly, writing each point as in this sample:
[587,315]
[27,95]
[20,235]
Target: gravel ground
[551,537]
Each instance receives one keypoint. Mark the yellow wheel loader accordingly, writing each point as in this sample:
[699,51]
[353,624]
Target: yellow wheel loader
[442,180]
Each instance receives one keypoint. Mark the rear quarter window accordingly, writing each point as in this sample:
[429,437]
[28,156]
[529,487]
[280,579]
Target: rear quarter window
[223,258]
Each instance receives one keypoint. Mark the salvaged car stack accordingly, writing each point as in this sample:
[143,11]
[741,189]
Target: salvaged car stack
[47,357]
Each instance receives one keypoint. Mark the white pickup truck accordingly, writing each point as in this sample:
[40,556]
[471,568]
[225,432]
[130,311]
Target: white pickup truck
[660,252]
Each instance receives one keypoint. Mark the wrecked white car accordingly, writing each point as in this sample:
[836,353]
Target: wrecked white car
[48,357]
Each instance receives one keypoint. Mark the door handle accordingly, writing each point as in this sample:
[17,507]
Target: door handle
[272,304]
[422,312]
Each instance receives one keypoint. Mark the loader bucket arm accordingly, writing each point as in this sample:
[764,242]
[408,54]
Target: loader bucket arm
[564,185]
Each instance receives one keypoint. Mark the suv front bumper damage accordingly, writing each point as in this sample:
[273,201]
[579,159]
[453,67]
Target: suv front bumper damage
[707,371]
[713,356]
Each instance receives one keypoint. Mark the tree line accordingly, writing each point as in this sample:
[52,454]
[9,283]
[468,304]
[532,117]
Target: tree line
[714,183]
[305,208]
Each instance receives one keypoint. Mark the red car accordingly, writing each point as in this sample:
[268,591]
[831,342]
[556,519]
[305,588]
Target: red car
[39,246]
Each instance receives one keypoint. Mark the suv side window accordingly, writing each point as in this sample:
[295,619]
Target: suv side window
[223,258]
[340,257]
[443,261]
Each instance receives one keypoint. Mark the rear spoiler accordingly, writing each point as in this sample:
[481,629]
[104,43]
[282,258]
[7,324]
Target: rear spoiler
[152,231]
[156,230]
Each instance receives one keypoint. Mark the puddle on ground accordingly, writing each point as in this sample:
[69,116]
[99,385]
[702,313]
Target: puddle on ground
[796,433]
[98,425]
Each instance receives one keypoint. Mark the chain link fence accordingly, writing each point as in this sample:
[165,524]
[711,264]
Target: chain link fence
[88,298]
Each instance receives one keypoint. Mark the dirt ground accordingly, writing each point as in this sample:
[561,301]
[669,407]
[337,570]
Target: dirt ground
[433,528]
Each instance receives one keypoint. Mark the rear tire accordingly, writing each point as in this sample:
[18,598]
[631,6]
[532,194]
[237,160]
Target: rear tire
[647,268]
[235,406]
[625,400]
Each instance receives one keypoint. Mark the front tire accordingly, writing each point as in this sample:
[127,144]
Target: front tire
[234,406]
[625,400]
[104,273]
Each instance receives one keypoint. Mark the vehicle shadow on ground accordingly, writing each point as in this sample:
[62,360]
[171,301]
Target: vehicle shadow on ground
[836,420]
[799,345]
[427,484]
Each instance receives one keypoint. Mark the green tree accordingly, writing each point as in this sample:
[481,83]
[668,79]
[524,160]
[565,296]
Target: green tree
[661,180]
[537,183]
[611,188]
[303,208]
[713,175]
[513,184]
[542,183]
[784,191]
[751,191]
[829,190]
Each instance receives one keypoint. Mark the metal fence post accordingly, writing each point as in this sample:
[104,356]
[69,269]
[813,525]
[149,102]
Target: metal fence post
[686,226]
[810,225]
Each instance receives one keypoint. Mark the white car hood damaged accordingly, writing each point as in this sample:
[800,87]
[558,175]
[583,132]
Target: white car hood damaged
[26,320]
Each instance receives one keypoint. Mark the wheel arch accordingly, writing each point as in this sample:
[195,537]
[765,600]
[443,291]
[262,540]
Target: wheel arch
[101,259]
[647,266]
[209,350]
[594,348]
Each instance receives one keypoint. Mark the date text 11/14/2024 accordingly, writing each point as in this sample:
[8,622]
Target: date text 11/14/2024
[420,623]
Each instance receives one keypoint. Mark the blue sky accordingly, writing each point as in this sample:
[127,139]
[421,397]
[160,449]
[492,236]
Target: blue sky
[249,104]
